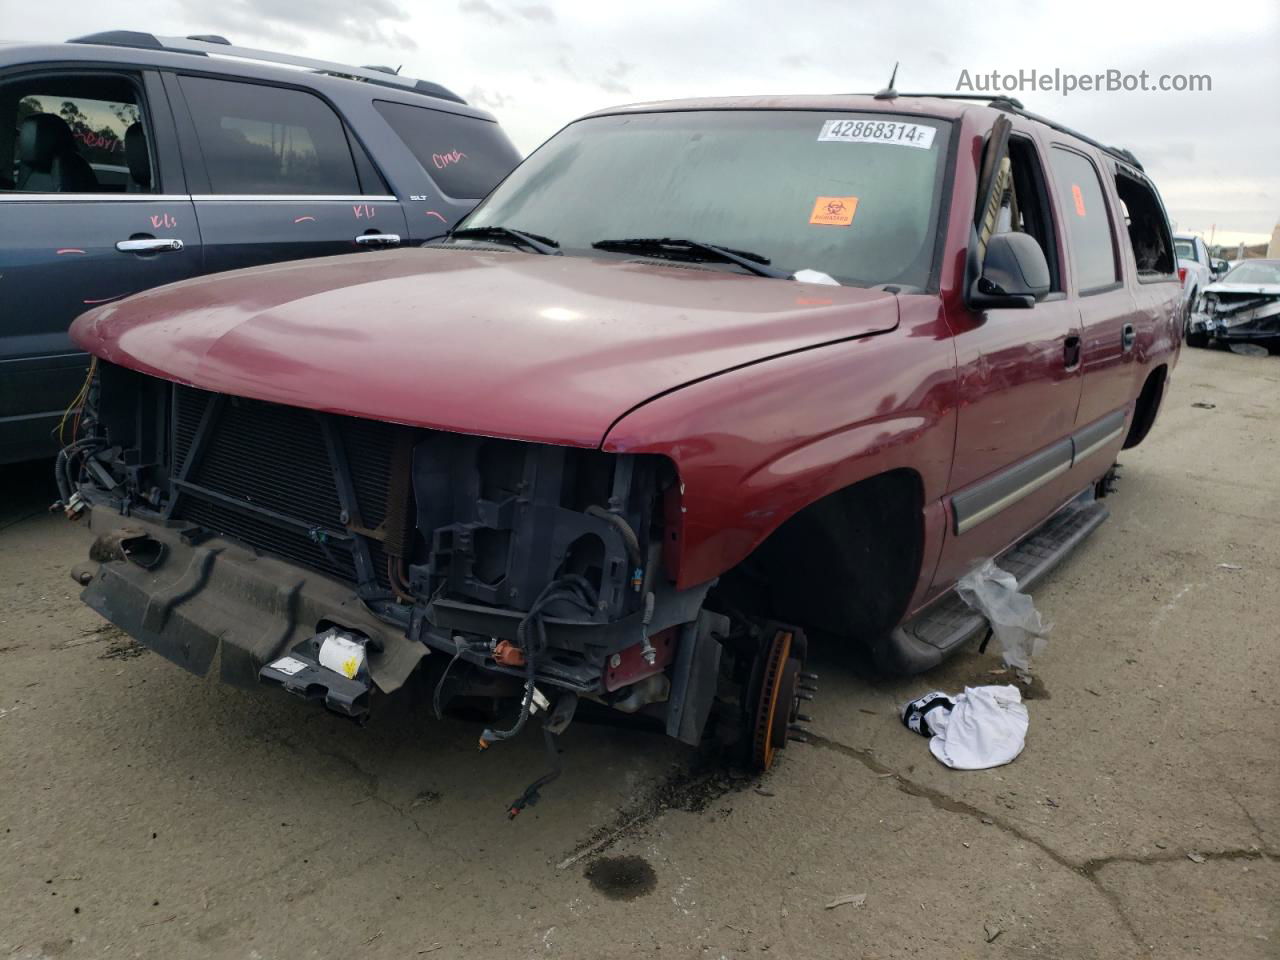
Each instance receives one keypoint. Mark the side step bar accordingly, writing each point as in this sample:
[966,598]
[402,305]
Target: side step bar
[930,636]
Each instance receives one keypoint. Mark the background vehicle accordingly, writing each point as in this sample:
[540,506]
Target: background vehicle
[130,161]
[626,448]
[1196,270]
[1242,307]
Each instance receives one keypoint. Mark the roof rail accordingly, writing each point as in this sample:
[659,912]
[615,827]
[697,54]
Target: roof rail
[890,93]
[1120,153]
[207,45]
[1013,105]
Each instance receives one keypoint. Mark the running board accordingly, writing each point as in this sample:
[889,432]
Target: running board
[934,633]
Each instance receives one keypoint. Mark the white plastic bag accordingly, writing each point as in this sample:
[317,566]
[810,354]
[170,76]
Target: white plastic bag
[1013,616]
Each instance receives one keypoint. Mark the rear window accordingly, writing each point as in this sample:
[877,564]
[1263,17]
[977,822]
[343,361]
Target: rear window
[465,156]
[261,140]
[1186,249]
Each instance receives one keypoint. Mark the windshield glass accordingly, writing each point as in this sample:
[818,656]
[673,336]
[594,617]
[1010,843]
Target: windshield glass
[852,195]
[1186,249]
[1267,271]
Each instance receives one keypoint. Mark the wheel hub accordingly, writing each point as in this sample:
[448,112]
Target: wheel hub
[781,689]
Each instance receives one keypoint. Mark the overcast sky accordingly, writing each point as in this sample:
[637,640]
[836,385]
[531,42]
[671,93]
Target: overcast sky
[537,64]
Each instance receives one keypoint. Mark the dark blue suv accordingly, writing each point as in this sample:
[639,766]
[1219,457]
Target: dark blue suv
[129,160]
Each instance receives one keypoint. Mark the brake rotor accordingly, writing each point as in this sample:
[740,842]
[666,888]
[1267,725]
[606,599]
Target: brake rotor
[778,703]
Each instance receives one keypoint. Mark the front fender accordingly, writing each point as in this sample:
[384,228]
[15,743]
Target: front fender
[756,445]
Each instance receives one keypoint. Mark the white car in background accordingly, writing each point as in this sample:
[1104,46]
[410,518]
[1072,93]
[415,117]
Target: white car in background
[1242,310]
[1196,270]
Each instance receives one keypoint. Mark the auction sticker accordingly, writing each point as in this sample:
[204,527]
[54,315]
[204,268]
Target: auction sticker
[878,131]
[834,211]
[1078,196]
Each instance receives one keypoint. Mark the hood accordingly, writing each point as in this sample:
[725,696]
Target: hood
[1254,289]
[498,343]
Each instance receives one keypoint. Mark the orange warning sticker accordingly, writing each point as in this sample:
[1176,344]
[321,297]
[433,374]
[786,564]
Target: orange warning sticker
[1078,197]
[834,211]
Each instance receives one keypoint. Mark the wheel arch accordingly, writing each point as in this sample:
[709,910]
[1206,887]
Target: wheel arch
[1147,405]
[847,563]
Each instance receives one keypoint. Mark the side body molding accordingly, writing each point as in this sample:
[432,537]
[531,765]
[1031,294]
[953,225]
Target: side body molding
[986,498]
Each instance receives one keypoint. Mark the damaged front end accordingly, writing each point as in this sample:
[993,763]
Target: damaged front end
[331,556]
[1239,316]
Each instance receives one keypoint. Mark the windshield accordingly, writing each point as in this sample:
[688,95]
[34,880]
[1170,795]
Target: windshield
[1266,271]
[1186,249]
[852,195]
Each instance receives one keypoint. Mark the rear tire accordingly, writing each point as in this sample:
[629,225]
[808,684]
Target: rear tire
[1197,339]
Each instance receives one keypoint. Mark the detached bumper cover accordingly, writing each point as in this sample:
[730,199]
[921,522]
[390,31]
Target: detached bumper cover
[219,597]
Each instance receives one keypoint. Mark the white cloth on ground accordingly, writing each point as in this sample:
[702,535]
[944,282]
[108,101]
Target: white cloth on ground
[987,727]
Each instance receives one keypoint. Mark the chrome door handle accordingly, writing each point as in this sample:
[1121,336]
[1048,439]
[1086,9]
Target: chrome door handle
[1127,336]
[378,239]
[150,245]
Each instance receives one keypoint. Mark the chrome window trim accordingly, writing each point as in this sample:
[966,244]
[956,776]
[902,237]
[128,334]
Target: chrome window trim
[288,198]
[15,197]
[96,197]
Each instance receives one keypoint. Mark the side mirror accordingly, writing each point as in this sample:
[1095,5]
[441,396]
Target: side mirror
[1219,267]
[1014,274]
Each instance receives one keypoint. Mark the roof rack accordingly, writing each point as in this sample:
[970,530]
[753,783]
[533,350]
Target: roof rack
[889,93]
[1013,105]
[211,45]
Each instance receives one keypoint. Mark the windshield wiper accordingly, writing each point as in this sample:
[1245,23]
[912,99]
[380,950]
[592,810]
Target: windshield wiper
[659,246]
[543,245]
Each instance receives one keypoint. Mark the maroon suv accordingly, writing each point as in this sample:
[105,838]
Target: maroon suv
[698,380]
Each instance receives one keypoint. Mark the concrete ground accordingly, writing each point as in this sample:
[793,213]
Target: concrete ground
[148,813]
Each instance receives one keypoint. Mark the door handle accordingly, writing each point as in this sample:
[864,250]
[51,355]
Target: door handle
[149,245]
[1071,352]
[1127,336]
[378,239]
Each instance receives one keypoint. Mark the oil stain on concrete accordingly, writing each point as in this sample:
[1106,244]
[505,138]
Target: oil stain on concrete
[622,878]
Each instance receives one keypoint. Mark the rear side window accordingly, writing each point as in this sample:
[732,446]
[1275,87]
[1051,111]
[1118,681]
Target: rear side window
[1083,206]
[258,139]
[465,156]
[1148,229]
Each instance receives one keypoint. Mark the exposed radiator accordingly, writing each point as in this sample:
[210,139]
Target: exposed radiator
[276,458]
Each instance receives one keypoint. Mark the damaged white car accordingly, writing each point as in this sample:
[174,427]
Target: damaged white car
[1243,307]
